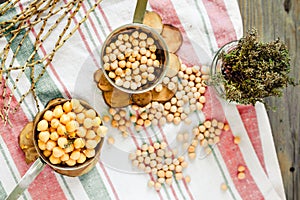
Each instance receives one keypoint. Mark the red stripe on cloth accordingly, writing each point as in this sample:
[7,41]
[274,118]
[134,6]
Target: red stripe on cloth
[92,24]
[169,16]
[110,183]
[104,17]
[220,21]
[148,135]
[10,136]
[184,182]
[85,41]
[248,115]
[231,153]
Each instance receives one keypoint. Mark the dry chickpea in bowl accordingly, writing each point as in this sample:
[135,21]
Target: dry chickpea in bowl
[134,58]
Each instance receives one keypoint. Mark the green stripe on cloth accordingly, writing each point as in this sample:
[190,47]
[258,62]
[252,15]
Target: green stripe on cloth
[2,191]
[47,90]
[10,168]
[222,172]
[67,187]
[89,181]
[97,19]
[88,31]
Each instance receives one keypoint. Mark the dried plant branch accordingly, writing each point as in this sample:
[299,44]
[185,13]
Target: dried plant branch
[19,27]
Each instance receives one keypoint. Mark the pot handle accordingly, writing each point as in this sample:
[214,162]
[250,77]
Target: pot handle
[139,11]
[27,179]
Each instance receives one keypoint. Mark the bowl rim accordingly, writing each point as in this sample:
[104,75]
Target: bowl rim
[38,117]
[164,47]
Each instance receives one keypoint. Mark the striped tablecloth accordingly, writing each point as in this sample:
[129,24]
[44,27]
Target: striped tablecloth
[205,26]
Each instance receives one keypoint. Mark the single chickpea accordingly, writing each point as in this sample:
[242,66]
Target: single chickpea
[176,120]
[81,132]
[241,175]
[54,136]
[42,125]
[159,88]
[224,187]
[143,50]
[111,75]
[47,153]
[54,160]
[42,145]
[81,159]
[58,111]
[152,48]
[192,156]
[119,82]
[237,140]
[90,134]
[106,58]
[153,56]
[57,152]
[89,153]
[226,127]
[62,142]
[71,126]
[144,60]
[241,168]
[178,176]
[65,157]
[70,162]
[156,63]
[72,115]
[48,115]
[68,148]
[88,123]
[44,136]
[64,119]
[91,144]
[75,155]
[96,121]
[61,130]
[50,145]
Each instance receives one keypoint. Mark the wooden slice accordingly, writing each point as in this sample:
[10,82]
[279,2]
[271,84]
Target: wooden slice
[116,98]
[26,143]
[142,99]
[172,37]
[97,75]
[104,84]
[174,65]
[153,20]
[163,96]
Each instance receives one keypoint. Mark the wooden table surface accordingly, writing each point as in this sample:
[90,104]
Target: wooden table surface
[272,19]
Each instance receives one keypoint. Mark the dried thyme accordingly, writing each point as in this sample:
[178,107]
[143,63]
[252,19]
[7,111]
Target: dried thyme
[254,70]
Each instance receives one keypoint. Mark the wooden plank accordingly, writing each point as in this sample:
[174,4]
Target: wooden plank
[274,19]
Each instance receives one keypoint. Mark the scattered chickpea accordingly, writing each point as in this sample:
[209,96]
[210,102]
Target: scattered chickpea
[110,140]
[237,140]
[241,175]
[224,187]
[241,168]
